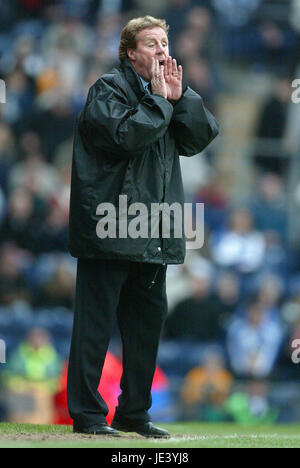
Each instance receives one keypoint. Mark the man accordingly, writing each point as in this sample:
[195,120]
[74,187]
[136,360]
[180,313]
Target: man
[134,125]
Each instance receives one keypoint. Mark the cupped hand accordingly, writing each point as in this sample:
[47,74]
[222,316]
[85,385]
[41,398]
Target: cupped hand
[158,83]
[173,79]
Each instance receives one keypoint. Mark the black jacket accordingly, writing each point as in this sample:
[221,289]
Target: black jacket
[128,142]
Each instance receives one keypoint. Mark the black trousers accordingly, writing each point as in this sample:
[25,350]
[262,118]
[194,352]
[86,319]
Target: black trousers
[106,290]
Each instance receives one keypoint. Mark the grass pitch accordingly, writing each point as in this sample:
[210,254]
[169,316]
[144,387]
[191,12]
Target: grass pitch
[185,435]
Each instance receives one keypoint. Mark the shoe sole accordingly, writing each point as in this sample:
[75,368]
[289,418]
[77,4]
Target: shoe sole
[118,427]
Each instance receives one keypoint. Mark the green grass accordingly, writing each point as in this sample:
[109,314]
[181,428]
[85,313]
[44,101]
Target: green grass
[185,435]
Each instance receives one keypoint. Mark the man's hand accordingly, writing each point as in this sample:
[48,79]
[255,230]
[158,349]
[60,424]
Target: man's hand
[158,83]
[173,79]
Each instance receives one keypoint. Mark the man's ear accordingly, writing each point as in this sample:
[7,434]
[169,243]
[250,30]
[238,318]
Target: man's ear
[131,54]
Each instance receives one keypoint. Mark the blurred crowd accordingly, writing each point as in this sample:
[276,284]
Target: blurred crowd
[235,303]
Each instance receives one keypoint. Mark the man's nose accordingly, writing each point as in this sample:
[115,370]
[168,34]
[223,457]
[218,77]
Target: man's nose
[160,49]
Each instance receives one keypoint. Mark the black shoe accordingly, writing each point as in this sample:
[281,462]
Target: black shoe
[146,429]
[97,429]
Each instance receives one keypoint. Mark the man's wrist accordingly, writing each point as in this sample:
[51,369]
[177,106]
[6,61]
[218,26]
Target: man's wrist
[158,94]
[175,101]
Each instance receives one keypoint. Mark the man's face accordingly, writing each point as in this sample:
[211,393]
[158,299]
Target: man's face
[149,43]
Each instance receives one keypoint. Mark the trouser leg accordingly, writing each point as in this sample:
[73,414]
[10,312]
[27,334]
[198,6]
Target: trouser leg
[98,287]
[141,314]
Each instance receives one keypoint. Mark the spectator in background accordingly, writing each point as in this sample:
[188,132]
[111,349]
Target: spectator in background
[108,32]
[294,18]
[272,45]
[241,247]
[199,71]
[236,13]
[277,256]
[13,283]
[196,318]
[178,285]
[216,203]
[187,46]
[7,154]
[55,125]
[271,126]
[234,17]
[35,361]
[200,75]
[195,173]
[33,369]
[206,388]
[80,93]
[31,8]
[269,206]
[70,34]
[8,13]
[19,225]
[270,292]
[76,8]
[226,296]
[58,290]
[291,311]
[29,144]
[64,45]
[199,22]
[295,15]
[35,175]
[19,99]
[251,405]
[2,206]
[175,15]
[102,7]
[37,212]
[254,341]
[53,233]
[197,48]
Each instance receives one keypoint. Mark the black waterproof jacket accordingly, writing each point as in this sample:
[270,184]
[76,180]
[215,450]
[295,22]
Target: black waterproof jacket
[127,142]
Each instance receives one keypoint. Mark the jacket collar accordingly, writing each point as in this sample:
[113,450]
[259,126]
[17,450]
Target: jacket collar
[133,78]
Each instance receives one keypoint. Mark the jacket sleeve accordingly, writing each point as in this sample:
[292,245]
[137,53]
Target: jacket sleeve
[194,126]
[117,125]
